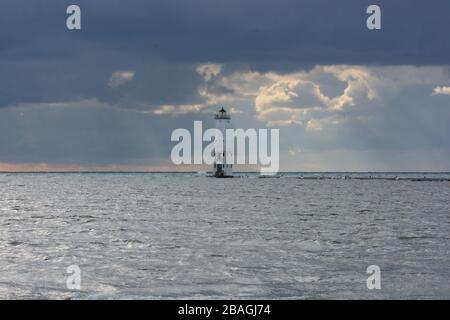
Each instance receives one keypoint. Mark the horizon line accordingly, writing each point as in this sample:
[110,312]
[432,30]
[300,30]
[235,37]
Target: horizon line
[200,171]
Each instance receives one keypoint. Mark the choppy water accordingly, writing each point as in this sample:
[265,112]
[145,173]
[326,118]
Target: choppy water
[184,236]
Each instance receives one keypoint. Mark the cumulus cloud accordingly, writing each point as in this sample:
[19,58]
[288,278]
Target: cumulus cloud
[119,78]
[441,90]
[321,97]
[299,98]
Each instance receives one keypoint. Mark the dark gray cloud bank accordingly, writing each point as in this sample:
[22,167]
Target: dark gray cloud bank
[114,91]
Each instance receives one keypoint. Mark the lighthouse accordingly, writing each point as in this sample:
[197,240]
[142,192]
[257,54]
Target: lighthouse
[221,168]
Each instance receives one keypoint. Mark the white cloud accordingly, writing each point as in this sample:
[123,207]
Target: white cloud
[119,78]
[289,99]
[234,110]
[178,109]
[293,151]
[314,125]
[320,124]
[441,90]
[209,70]
[359,84]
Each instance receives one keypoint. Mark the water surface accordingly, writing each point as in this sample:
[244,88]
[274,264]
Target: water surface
[152,236]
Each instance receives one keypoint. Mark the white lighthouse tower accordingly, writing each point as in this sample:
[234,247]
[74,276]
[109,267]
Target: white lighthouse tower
[222,169]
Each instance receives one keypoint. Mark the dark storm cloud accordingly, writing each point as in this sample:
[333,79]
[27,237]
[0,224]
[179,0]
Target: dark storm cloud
[42,61]
[264,32]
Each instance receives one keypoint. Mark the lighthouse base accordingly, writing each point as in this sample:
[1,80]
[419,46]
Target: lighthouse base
[222,170]
[221,175]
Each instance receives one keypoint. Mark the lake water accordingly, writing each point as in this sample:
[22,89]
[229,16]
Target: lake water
[152,236]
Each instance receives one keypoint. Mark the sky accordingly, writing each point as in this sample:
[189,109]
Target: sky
[108,96]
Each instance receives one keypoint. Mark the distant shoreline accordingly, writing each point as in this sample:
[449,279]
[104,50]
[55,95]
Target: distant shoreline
[239,173]
[386,176]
